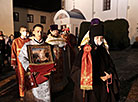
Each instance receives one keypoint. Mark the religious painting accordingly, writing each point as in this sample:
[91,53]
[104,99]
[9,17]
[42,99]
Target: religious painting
[43,19]
[39,54]
[16,16]
[30,18]
[61,16]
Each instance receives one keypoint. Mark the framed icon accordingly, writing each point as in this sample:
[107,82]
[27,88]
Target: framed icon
[40,54]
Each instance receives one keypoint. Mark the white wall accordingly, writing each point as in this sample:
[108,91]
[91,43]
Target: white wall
[6,16]
[85,6]
[122,9]
[104,15]
[75,23]
[118,9]
[94,8]
[68,5]
[23,18]
[132,17]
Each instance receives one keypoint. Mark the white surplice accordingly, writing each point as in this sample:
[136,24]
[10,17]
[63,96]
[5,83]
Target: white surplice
[42,92]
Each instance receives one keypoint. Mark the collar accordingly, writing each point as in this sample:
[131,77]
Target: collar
[41,41]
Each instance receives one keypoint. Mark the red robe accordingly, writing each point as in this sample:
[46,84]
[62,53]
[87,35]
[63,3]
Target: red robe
[15,50]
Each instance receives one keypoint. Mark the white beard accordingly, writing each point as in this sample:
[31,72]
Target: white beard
[97,40]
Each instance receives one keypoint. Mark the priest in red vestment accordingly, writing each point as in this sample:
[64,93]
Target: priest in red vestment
[15,63]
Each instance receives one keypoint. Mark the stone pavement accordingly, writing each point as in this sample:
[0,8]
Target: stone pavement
[133,93]
[126,62]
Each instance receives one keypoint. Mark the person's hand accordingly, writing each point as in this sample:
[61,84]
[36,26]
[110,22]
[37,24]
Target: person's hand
[14,67]
[106,77]
[55,64]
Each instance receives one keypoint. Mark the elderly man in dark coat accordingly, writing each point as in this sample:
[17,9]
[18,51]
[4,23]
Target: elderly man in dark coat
[94,72]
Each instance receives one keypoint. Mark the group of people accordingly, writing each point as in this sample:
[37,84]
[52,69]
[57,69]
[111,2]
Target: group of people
[90,67]
[20,62]
[5,49]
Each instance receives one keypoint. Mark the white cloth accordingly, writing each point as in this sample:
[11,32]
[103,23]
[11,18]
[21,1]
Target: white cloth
[41,92]
[85,39]
[99,40]
[56,41]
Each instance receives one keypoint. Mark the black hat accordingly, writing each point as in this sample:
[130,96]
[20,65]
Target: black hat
[95,21]
[96,30]
[53,27]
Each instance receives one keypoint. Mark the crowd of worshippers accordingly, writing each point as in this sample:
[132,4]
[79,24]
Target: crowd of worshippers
[5,50]
[89,64]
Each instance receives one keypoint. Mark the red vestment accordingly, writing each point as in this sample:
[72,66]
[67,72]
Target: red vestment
[16,47]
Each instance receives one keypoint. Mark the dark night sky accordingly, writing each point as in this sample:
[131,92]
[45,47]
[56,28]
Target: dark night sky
[43,5]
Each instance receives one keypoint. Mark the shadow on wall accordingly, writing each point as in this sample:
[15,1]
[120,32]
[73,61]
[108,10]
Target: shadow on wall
[115,32]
